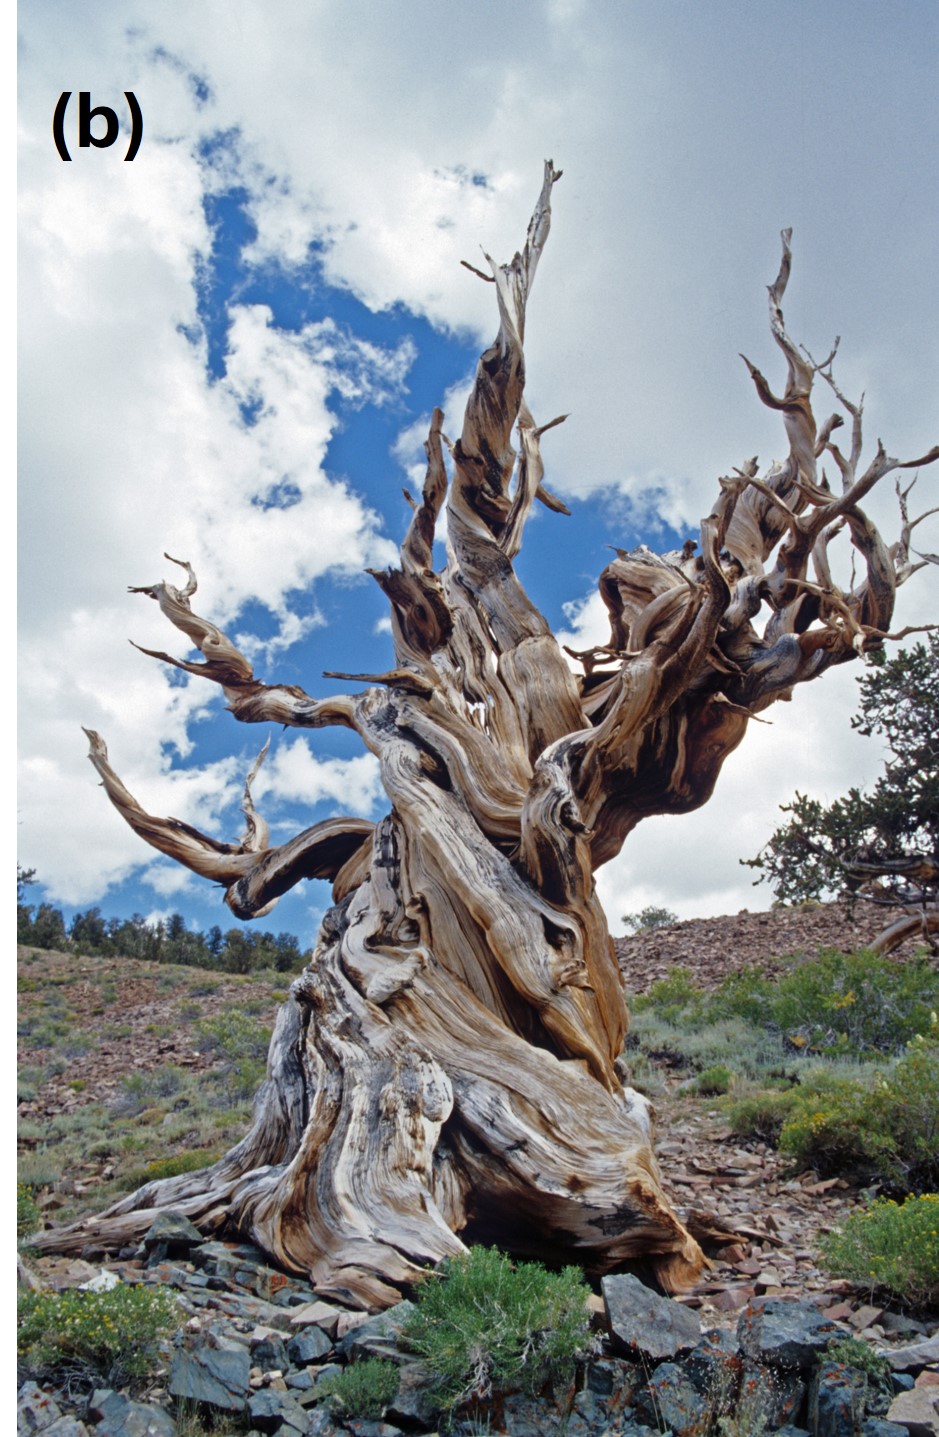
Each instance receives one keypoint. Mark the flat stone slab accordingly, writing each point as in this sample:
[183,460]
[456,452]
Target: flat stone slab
[917,1411]
[217,1374]
[916,1354]
[639,1321]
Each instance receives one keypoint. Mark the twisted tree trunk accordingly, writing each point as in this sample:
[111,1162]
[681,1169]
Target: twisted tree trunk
[449,1063]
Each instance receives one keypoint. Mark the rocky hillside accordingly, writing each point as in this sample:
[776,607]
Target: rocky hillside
[713,947]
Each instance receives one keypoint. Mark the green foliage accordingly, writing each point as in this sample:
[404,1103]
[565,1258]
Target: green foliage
[887,1127]
[363,1389]
[854,1353]
[811,855]
[27,1211]
[484,1324]
[858,1003]
[237,951]
[233,1034]
[714,1081]
[649,918]
[676,999]
[94,1338]
[893,1247]
[242,1042]
[170,1167]
[39,1169]
[761,1112]
[133,1097]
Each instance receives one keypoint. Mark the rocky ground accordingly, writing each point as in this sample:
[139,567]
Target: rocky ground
[255,1346]
[757,1219]
[713,947]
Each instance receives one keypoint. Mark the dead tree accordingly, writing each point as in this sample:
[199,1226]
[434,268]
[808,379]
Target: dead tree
[449,1063]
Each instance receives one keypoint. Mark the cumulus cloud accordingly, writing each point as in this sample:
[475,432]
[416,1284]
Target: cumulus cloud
[293,773]
[684,153]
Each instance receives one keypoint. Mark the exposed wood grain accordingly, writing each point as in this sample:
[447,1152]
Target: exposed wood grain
[450,1060]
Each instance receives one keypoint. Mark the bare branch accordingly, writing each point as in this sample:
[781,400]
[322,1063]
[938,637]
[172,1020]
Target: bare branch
[254,875]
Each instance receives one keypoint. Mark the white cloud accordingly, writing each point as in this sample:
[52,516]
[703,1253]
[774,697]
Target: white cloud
[396,142]
[294,774]
[169,880]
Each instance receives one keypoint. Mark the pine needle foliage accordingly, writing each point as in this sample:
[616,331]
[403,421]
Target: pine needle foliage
[485,1325]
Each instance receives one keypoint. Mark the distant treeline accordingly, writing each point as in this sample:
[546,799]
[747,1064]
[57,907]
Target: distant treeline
[240,950]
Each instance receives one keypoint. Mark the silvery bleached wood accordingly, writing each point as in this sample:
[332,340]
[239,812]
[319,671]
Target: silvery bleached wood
[449,1065]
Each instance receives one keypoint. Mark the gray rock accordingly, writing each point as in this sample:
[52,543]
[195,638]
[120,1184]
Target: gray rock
[773,1394]
[300,1381]
[308,1346]
[917,1354]
[836,1401]
[903,1381]
[67,1427]
[608,1390]
[272,1411]
[640,1321]
[242,1265]
[917,1411]
[35,1410]
[322,1425]
[781,1333]
[174,1229]
[117,1416]
[413,1404]
[713,1365]
[879,1427]
[214,1371]
[670,1400]
[269,1353]
[379,1336]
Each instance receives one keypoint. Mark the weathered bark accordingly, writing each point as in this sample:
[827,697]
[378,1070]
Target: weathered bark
[450,1060]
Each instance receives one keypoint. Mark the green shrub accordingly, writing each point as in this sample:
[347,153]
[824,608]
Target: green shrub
[39,1169]
[891,1246]
[168,1168]
[27,1210]
[363,1389]
[854,1353]
[484,1324]
[714,1081]
[134,1096]
[242,1043]
[886,1128]
[676,999]
[859,1003]
[94,1338]
[761,1113]
[233,1034]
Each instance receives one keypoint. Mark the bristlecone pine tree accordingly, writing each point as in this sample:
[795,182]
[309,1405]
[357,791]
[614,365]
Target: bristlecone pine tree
[449,1062]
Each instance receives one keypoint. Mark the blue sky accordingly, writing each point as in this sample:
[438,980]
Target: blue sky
[229,350]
